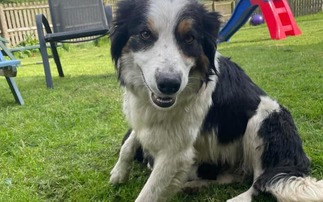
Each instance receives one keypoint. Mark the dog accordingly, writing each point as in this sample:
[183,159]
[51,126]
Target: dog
[188,106]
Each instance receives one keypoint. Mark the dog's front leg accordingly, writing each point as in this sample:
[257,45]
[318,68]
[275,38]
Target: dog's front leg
[169,173]
[121,170]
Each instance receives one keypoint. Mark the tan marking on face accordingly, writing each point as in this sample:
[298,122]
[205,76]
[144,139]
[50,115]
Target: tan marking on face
[202,65]
[150,24]
[185,26]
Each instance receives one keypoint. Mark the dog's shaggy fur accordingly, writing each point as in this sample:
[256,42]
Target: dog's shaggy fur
[195,111]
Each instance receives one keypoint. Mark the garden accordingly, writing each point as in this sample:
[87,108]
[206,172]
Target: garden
[62,144]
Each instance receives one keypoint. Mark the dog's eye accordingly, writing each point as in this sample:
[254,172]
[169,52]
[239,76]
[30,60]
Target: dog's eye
[145,35]
[188,39]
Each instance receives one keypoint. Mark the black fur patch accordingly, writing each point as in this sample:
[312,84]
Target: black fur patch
[235,100]
[283,151]
[208,171]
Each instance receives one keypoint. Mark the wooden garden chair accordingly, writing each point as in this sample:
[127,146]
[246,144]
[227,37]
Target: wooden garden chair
[8,69]
[73,21]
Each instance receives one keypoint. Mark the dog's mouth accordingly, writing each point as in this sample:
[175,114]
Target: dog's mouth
[163,102]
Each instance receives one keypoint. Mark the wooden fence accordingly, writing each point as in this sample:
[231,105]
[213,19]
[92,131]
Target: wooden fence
[225,8]
[17,21]
[305,7]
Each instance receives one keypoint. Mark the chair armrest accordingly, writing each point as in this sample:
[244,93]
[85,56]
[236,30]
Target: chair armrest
[9,63]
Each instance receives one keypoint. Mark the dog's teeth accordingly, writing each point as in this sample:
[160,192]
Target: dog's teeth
[163,101]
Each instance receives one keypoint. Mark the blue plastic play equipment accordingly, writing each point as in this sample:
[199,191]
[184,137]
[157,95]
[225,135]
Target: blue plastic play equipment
[240,16]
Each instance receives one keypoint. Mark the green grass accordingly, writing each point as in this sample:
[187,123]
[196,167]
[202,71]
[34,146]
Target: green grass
[63,143]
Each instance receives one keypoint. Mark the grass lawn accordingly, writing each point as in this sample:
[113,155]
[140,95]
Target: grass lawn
[63,143]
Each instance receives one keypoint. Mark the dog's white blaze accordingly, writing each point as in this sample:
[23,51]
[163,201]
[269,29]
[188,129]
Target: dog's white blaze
[165,52]
[165,13]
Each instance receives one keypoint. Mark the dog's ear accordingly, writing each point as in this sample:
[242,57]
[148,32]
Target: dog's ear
[211,23]
[211,26]
[128,13]
[119,31]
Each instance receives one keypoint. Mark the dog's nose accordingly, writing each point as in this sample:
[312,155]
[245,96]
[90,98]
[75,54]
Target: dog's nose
[168,83]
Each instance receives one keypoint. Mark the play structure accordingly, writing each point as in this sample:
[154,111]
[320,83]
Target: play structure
[277,13]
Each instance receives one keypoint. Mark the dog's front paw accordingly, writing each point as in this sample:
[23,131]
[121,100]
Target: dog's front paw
[119,174]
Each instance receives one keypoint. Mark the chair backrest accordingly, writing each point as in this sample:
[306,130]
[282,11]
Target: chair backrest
[71,15]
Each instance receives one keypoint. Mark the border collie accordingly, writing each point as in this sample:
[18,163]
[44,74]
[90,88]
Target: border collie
[189,106]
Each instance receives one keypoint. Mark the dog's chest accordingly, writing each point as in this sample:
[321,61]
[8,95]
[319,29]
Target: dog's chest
[171,130]
[173,133]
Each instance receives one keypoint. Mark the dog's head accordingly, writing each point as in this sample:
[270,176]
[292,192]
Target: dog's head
[164,47]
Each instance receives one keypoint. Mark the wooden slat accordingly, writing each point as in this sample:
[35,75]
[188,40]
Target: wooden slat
[3,23]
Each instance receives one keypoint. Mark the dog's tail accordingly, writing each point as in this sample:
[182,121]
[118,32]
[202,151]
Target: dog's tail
[287,188]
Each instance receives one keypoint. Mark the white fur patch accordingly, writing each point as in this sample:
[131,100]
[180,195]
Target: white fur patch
[252,143]
[298,189]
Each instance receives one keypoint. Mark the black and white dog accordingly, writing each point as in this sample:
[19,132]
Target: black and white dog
[189,106]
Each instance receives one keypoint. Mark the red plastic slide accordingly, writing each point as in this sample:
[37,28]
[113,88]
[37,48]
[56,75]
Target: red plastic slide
[279,18]
[277,13]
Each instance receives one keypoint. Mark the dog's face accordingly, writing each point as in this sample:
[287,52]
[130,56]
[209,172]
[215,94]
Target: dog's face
[164,47]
